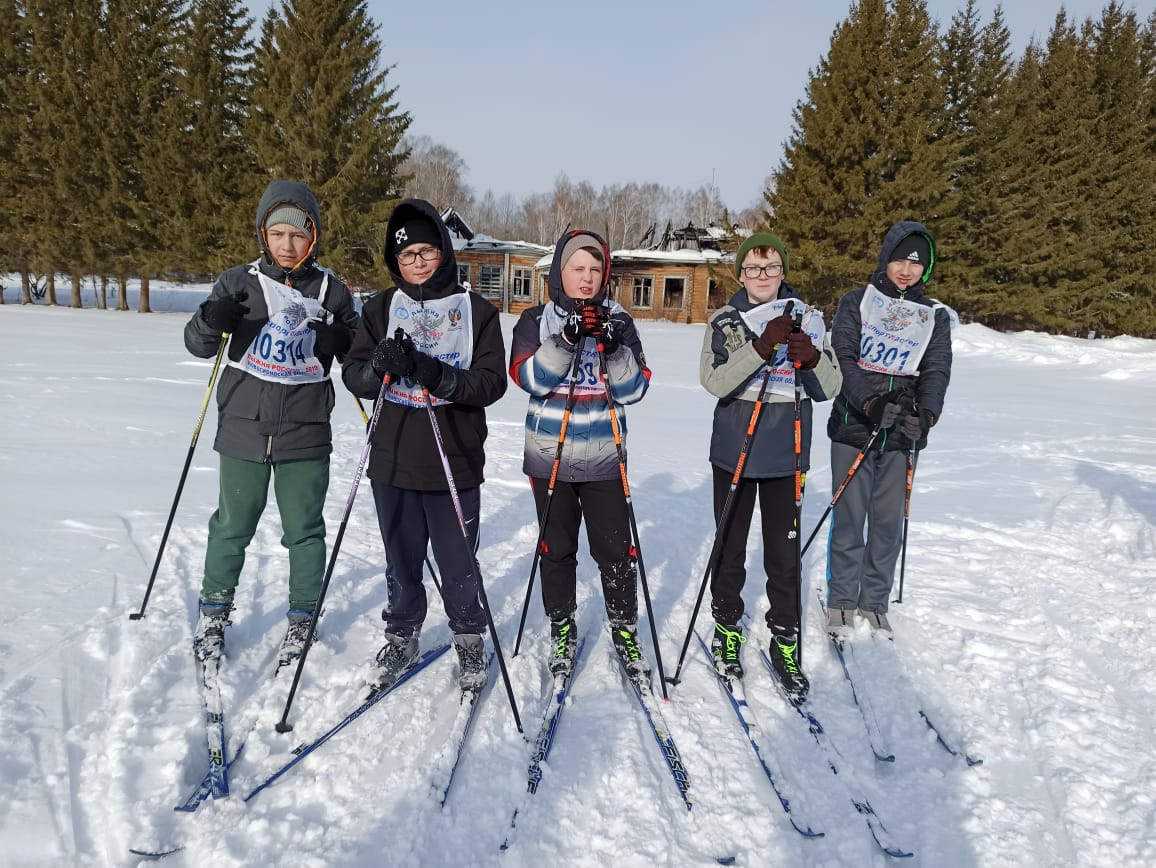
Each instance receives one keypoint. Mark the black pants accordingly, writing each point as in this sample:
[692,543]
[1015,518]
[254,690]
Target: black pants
[777,505]
[409,521]
[608,533]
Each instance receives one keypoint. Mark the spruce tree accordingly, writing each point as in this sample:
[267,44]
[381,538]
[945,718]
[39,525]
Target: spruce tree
[323,115]
[866,149]
[1046,251]
[14,63]
[1123,178]
[214,228]
[976,65]
[139,146]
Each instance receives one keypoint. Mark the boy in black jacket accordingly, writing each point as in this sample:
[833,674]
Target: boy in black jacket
[428,334]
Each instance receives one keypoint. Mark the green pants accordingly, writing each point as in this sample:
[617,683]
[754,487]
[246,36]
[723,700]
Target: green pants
[300,488]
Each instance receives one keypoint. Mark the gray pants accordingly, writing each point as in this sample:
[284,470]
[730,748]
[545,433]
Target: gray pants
[860,572]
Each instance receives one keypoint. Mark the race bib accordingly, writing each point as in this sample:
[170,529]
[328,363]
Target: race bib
[282,352]
[895,333]
[440,327]
[782,370]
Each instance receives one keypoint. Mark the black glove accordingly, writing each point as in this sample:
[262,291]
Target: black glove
[800,349]
[389,357]
[915,426]
[611,337]
[775,332]
[426,369]
[883,409]
[333,339]
[224,314]
[573,329]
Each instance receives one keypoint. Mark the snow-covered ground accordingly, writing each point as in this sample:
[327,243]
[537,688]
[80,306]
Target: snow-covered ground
[1025,633]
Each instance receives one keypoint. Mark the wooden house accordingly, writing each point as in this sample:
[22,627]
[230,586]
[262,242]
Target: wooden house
[678,279]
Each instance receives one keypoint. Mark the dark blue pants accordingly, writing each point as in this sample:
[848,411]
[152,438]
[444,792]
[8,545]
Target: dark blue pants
[410,521]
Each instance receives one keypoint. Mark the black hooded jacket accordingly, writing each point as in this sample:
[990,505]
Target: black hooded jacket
[259,420]
[928,385]
[404,452]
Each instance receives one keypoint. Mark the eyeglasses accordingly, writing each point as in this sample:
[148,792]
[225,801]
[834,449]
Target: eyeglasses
[427,254]
[772,270]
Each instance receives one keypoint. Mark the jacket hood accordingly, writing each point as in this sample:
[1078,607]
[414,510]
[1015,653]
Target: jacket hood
[554,282]
[288,193]
[895,235]
[444,281]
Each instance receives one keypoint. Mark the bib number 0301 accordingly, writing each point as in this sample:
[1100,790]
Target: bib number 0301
[875,352]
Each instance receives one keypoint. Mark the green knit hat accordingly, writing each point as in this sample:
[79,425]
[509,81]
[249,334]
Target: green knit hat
[760,239]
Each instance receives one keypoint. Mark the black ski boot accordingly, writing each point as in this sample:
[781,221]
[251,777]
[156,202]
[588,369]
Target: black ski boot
[724,647]
[784,653]
[563,641]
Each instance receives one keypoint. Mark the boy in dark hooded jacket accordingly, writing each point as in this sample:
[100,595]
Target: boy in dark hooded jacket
[285,317]
[428,334]
[894,346]
[551,341]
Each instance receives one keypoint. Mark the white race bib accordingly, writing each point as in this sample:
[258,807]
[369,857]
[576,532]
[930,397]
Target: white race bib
[782,370]
[440,327]
[895,333]
[282,352]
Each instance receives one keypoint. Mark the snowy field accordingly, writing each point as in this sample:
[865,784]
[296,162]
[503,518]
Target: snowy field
[1025,634]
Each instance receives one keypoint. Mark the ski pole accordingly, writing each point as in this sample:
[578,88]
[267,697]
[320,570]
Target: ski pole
[474,568]
[906,519]
[549,495]
[842,486]
[637,546]
[724,513]
[136,616]
[283,724]
[798,366]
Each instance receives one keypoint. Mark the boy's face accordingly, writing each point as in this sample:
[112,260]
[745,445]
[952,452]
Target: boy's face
[287,244]
[412,265]
[760,285]
[582,275]
[904,273]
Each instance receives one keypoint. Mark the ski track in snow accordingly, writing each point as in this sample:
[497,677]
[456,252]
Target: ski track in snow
[1023,634]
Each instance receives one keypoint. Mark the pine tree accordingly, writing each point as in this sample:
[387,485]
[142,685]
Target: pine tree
[322,115]
[866,150]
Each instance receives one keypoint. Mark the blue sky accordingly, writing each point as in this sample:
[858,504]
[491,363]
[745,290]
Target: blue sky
[630,90]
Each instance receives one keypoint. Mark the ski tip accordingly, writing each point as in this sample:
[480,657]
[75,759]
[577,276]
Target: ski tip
[807,831]
[971,761]
[725,860]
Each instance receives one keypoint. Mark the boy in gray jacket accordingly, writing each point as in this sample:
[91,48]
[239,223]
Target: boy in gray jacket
[285,318]
[752,347]
[894,347]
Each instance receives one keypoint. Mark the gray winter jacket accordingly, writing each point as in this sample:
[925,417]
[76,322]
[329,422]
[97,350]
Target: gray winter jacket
[260,420]
[928,384]
[728,363]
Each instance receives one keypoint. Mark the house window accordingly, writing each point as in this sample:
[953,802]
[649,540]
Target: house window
[642,291]
[490,281]
[673,291]
[522,284]
[716,293]
[464,273]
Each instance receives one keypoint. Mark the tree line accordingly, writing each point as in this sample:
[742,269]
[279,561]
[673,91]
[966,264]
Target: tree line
[136,137]
[1036,175]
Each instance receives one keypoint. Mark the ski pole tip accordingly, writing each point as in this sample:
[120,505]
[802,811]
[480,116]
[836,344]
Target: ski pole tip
[283,726]
[135,616]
